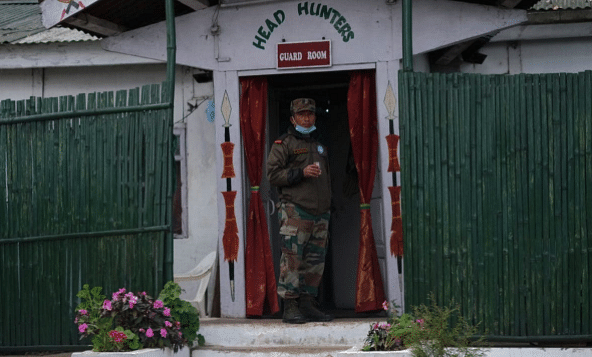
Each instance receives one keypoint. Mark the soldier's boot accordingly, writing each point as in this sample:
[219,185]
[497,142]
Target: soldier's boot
[309,310]
[292,314]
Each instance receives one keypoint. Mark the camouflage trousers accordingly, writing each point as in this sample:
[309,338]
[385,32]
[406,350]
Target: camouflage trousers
[304,246]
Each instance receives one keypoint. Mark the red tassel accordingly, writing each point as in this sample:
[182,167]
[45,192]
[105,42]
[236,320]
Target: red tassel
[227,149]
[393,141]
[397,223]
[230,237]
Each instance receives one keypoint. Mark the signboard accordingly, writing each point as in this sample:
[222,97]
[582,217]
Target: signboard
[303,54]
[55,11]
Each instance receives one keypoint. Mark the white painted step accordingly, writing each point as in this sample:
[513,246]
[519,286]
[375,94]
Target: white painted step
[285,351]
[338,338]
[248,333]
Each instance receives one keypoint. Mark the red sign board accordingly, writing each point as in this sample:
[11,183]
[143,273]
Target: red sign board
[303,54]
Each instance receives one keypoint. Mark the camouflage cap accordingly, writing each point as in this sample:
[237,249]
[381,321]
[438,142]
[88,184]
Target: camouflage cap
[302,104]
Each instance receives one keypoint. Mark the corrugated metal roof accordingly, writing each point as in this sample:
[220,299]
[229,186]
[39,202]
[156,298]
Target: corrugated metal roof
[562,4]
[57,34]
[20,22]
[19,19]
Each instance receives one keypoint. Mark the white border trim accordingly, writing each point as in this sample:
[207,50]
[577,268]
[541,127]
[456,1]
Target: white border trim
[268,72]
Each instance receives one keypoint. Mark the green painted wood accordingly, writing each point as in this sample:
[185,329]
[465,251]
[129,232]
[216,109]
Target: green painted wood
[586,210]
[429,224]
[505,244]
[64,179]
[573,239]
[496,176]
[439,134]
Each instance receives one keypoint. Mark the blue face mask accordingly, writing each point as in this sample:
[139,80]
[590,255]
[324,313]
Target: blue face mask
[303,130]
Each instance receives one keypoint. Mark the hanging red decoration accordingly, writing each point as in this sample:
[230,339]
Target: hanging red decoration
[393,141]
[228,149]
[397,223]
[230,237]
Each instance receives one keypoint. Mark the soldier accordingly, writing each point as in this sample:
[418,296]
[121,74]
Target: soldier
[298,166]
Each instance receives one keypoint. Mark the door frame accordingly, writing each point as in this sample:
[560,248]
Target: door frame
[227,94]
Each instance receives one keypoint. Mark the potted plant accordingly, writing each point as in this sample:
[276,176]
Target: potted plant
[428,332]
[136,321]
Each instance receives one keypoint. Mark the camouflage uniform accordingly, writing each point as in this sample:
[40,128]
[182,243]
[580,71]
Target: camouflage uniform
[304,245]
[304,210]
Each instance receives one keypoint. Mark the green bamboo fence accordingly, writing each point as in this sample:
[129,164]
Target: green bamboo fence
[84,199]
[497,199]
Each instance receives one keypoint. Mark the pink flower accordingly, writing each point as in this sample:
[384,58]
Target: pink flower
[380,325]
[133,300]
[83,312]
[149,332]
[107,305]
[117,336]
[158,304]
[142,330]
[163,333]
[168,324]
[76,320]
[166,312]
[82,328]
[384,326]
[116,295]
[144,293]
[385,305]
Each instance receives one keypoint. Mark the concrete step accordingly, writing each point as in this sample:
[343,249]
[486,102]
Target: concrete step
[338,338]
[275,333]
[285,351]
[272,337]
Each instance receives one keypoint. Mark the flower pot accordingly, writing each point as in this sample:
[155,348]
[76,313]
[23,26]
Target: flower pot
[145,352]
[356,351]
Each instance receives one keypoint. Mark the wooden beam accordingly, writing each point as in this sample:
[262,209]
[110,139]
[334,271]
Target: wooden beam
[452,52]
[195,4]
[510,4]
[94,24]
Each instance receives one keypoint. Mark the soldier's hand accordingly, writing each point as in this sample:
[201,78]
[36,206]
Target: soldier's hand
[312,170]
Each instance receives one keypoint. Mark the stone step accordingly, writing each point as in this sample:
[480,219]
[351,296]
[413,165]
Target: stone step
[266,333]
[338,338]
[283,351]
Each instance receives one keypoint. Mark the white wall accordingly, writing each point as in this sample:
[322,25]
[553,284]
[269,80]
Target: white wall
[18,83]
[201,176]
[376,28]
[535,56]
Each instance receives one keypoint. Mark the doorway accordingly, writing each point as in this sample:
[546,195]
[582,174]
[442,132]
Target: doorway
[329,90]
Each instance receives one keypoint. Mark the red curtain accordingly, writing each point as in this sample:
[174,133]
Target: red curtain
[259,276]
[363,131]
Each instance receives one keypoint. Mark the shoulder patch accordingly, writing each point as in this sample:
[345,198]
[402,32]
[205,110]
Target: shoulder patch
[280,139]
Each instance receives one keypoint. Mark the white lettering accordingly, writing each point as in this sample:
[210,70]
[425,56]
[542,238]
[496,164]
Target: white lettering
[293,56]
[312,55]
